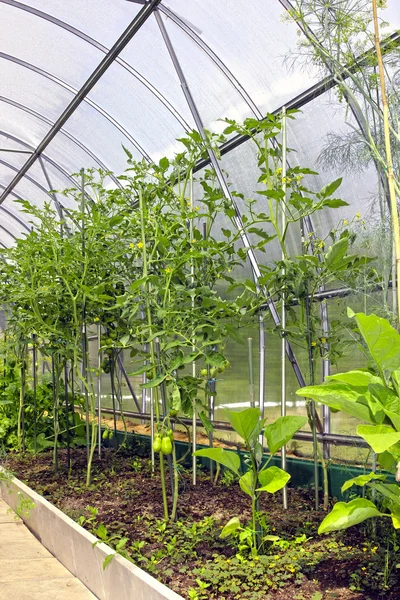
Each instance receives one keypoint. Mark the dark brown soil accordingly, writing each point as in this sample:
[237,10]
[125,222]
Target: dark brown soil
[127,497]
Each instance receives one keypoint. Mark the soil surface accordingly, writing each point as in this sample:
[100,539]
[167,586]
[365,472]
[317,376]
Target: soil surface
[123,506]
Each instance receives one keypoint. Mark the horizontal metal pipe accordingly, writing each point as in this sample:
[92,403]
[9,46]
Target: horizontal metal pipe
[304,436]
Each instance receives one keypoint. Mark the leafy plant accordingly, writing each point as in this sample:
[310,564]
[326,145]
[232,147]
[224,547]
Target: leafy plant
[258,478]
[373,396]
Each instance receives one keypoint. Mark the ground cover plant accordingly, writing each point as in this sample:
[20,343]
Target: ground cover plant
[189,555]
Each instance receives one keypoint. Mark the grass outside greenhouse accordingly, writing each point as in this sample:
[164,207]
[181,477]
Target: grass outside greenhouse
[200,351]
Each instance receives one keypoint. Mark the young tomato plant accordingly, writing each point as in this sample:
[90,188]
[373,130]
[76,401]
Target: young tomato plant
[258,478]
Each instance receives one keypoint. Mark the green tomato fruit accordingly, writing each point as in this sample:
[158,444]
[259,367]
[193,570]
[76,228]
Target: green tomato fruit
[166,445]
[213,372]
[170,434]
[105,434]
[173,412]
[157,444]
[204,372]
[111,435]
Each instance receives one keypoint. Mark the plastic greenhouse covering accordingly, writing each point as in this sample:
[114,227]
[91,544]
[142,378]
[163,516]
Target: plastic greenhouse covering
[71,95]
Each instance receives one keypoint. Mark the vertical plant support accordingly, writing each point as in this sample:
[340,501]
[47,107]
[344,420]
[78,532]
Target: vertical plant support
[67,414]
[99,361]
[389,159]
[283,310]
[194,420]
[251,373]
[34,376]
[84,334]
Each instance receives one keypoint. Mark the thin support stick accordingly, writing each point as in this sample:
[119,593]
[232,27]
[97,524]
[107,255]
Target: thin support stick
[67,414]
[283,310]
[34,373]
[389,159]
[99,361]
[251,373]
[152,430]
[194,422]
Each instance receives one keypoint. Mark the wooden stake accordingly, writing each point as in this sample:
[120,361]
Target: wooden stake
[389,159]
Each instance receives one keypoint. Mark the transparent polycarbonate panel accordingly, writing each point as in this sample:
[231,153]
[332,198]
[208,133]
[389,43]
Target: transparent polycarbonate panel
[233,386]
[147,54]
[67,151]
[71,156]
[241,167]
[10,207]
[255,43]
[103,138]
[391,16]
[215,96]
[6,239]
[22,125]
[138,111]
[104,20]
[10,224]
[27,87]
[11,150]
[319,136]
[70,58]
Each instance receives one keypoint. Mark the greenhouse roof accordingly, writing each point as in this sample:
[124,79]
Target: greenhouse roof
[80,79]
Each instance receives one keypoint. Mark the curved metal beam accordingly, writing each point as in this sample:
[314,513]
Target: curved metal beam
[74,91]
[14,237]
[68,135]
[214,57]
[46,158]
[81,95]
[10,214]
[83,36]
[30,179]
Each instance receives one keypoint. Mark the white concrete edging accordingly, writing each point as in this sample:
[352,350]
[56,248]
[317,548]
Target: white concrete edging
[72,545]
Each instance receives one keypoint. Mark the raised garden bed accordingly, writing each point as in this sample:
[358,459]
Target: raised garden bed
[105,573]
[188,555]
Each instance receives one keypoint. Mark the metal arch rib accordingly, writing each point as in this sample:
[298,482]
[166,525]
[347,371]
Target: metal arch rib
[28,178]
[14,237]
[72,138]
[75,92]
[10,214]
[46,158]
[214,57]
[83,36]
[81,95]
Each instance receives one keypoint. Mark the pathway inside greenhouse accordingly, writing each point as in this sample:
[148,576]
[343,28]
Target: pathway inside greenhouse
[27,570]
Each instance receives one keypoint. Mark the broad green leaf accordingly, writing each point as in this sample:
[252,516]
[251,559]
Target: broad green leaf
[389,490]
[338,396]
[379,437]
[358,378]
[246,423]
[246,483]
[331,188]
[223,457]
[153,382]
[382,339]
[272,480]
[280,432]
[347,514]
[395,514]
[361,480]
[230,527]
[336,253]
[175,398]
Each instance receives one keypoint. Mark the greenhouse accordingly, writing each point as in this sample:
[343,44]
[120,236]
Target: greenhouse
[200,300]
